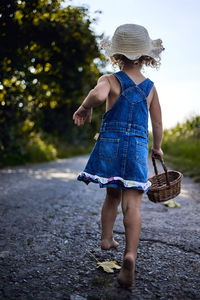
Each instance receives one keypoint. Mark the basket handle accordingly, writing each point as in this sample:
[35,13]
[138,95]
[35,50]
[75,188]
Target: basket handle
[163,165]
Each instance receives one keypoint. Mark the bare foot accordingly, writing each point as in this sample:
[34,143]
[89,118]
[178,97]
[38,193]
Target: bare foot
[126,275]
[107,244]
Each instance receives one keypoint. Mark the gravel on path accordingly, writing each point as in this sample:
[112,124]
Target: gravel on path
[49,222]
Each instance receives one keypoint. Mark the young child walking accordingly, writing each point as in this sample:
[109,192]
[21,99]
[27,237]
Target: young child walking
[118,161]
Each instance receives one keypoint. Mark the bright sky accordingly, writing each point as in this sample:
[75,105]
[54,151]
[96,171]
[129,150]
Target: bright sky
[177,23]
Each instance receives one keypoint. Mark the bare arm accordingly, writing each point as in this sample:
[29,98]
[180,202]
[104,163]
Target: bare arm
[156,120]
[95,97]
[98,94]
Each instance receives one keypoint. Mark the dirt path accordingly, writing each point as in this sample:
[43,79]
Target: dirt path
[49,220]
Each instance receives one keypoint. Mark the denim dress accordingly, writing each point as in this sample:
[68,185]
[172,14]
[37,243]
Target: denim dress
[119,157]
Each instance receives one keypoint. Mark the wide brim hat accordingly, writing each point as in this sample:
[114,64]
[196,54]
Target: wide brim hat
[132,41]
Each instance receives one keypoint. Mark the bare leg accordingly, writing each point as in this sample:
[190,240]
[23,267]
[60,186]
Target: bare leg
[131,200]
[108,216]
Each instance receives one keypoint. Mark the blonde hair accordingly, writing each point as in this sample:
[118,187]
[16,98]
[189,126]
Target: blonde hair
[121,60]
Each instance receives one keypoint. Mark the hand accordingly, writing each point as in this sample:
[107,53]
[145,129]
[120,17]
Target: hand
[81,115]
[155,153]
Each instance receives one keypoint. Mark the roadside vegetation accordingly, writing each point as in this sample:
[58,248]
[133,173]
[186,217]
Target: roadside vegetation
[181,147]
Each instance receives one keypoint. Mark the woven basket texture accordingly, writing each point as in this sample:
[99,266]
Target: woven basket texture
[165,186]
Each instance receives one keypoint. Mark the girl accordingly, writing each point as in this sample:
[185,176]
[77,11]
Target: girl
[119,158]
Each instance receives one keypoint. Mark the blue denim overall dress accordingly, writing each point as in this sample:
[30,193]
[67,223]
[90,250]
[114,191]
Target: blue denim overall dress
[119,157]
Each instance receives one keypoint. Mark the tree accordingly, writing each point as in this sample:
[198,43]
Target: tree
[47,66]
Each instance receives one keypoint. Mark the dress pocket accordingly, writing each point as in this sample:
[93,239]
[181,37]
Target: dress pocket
[141,153]
[108,148]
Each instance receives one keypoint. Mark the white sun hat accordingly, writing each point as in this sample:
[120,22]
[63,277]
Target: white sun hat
[132,41]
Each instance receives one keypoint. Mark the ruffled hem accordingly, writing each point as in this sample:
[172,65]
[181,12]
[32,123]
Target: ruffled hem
[117,182]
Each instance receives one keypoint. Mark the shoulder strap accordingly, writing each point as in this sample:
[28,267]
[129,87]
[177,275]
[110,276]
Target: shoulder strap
[146,87]
[124,80]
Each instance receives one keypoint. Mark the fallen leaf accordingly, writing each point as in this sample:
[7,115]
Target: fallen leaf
[108,266]
[171,203]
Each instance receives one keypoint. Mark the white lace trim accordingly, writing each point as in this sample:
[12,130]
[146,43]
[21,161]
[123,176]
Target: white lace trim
[126,183]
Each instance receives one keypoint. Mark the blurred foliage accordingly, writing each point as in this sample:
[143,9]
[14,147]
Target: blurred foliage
[49,62]
[181,147]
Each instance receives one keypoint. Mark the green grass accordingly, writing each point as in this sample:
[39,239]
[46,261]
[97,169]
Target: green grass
[181,147]
[41,148]
[38,150]
[48,149]
[184,155]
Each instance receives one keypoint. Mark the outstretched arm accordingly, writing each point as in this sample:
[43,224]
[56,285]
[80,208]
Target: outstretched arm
[95,97]
[156,120]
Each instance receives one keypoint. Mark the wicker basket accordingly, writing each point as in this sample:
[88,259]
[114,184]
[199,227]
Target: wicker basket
[165,185]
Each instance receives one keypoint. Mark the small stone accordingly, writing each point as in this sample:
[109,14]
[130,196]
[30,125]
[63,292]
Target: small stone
[4,254]
[77,297]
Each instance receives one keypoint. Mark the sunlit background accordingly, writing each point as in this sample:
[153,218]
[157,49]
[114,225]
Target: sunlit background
[177,23]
